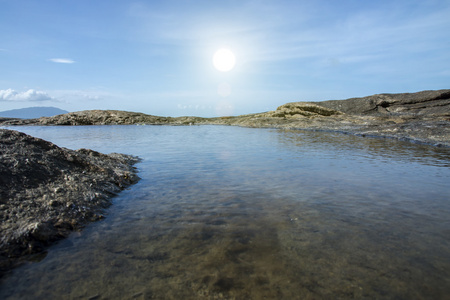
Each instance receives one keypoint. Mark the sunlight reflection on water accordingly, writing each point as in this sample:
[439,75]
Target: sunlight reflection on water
[238,213]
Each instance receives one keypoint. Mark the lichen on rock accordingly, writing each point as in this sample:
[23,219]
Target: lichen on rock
[296,109]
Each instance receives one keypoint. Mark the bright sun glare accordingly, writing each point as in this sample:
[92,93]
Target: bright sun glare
[224,60]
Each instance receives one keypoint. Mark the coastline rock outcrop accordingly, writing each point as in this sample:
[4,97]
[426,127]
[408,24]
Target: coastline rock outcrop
[422,117]
[47,191]
[424,103]
[103,117]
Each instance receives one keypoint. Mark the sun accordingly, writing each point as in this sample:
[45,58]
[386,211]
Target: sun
[224,60]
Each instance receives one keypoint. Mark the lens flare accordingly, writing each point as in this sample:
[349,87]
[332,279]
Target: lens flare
[224,60]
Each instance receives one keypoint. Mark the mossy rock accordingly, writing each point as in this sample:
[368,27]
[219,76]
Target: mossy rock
[299,109]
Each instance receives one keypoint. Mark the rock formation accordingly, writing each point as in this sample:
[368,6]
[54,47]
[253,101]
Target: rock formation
[420,117]
[425,103]
[47,191]
[103,117]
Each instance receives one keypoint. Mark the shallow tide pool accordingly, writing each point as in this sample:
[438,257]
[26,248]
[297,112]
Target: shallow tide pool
[241,213]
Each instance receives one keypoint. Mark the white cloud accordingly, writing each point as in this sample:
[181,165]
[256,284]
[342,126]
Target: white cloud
[62,60]
[30,95]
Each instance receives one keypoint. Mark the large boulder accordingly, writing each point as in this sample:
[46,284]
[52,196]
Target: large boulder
[47,191]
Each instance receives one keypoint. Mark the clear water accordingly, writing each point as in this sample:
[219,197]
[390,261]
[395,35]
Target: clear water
[239,213]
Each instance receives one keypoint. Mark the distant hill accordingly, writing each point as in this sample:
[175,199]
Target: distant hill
[32,112]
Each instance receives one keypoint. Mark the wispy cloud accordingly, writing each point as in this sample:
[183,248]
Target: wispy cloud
[86,95]
[62,60]
[271,32]
[30,95]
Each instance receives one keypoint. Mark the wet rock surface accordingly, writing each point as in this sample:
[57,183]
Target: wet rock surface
[422,117]
[47,191]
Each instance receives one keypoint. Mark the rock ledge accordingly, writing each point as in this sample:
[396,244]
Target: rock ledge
[47,191]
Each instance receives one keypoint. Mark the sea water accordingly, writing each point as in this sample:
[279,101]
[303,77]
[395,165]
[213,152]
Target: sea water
[240,213]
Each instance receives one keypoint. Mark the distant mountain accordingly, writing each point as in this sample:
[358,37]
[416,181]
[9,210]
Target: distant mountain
[32,112]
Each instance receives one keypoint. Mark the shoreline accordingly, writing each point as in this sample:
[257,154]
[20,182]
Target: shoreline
[47,192]
[422,117]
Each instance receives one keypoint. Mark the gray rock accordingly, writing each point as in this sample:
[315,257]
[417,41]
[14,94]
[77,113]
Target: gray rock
[47,191]
[425,103]
[103,117]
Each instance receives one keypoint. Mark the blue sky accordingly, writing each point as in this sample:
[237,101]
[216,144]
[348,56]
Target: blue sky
[156,56]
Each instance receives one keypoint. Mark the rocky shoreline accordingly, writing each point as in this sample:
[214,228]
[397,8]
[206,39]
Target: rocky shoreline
[46,192]
[422,117]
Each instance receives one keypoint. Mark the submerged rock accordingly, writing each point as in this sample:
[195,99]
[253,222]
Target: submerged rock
[47,191]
